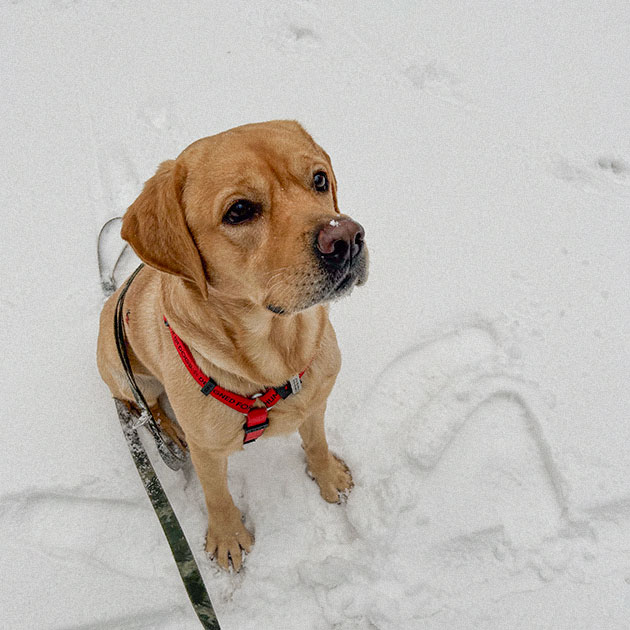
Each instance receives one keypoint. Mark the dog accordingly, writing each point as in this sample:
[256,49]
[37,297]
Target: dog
[244,248]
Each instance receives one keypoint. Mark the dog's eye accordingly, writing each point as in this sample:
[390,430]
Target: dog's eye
[241,211]
[320,181]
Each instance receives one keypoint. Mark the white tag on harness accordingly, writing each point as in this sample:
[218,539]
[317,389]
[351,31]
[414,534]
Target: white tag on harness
[296,384]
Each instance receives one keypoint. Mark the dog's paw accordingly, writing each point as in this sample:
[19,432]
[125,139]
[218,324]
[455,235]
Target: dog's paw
[225,541]
[334,480]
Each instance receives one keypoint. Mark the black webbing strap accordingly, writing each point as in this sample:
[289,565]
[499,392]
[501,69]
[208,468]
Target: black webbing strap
[186,565]
[119,334]
[172,455]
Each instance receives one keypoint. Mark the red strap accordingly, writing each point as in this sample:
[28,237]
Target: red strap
[270,398]
[255,424]
[257,420]
[235,401]
[187,358]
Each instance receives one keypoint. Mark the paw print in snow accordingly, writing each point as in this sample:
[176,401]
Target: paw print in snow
[615,166]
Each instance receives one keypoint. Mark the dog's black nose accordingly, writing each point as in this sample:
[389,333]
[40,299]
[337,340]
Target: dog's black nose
[339,241]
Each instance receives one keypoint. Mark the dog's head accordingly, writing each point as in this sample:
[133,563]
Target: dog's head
[251,213]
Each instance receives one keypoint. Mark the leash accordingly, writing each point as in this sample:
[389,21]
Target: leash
[186,565]
[130,420]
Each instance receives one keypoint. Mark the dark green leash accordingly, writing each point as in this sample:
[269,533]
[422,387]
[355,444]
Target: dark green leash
[182,553]
[130,420]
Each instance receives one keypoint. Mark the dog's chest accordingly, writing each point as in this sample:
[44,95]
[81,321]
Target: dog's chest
[288,414]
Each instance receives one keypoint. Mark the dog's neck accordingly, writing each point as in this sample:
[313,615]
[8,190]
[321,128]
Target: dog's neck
[240,341]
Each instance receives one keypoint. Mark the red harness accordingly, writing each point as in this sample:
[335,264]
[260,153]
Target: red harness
[256,417]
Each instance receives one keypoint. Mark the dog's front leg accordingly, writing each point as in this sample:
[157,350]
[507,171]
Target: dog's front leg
[226,533]
[329,471]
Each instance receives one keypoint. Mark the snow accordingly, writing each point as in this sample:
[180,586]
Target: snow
[483,401]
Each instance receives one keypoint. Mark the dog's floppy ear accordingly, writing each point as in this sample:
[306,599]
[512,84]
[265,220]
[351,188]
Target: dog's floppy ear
[155,226]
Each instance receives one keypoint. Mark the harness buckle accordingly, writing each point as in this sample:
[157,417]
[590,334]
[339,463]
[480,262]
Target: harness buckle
[255,424]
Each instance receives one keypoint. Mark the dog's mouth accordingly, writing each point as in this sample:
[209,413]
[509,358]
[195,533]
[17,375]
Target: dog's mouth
[324,289]
[346,282]
[278,310]
[338,288]
[354,273]
[311,285]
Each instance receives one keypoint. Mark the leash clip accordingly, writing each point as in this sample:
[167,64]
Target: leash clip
[141,420]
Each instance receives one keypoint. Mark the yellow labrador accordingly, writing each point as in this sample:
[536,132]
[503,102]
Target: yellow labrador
[244,247]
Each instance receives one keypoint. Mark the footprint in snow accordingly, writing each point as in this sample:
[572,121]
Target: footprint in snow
[293,37]
[606,174]
[61,524]
[437,81]
[461,468]
[616,166]
[430,391]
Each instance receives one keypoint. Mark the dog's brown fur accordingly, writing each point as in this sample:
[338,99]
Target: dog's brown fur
[214,283]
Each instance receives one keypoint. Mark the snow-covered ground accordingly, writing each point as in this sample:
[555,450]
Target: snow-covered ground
[483,405]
